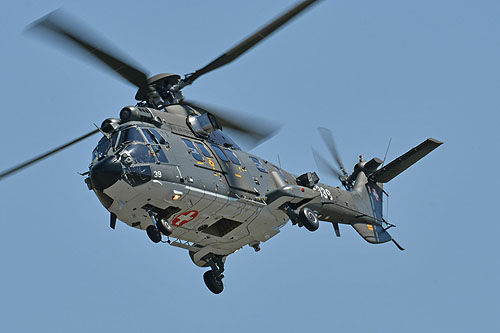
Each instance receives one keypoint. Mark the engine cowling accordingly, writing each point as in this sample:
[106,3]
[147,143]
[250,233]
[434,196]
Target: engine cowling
[203,125]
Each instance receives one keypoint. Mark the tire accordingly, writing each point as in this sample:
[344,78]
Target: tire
[309,219]
[213,284]
[153,234]
[165,228]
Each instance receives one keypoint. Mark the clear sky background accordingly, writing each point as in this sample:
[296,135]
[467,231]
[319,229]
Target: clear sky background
[368,70]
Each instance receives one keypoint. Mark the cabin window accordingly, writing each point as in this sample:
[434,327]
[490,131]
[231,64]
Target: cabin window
[220,153]
[259,165]
[130,134]
[232,157]
[193,151]
[203,149]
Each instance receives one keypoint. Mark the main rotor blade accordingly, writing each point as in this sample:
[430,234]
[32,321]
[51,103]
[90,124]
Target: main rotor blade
[58,25]
[327,136]
[47,154]
[249,42]
[324,165]
[254,130]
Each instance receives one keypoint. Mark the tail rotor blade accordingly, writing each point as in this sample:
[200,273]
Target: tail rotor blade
[327,136]
[324,165]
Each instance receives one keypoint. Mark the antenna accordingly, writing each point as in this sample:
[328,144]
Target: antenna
[279,161]
[387,207]
[386,151]
[102,132]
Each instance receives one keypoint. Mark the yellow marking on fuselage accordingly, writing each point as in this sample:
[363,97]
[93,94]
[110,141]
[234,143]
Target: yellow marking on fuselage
[369,226]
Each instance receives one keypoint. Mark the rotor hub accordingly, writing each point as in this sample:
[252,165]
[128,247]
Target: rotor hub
[160,83]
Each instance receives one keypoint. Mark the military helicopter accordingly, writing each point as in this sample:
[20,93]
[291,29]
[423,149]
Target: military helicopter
[166,166]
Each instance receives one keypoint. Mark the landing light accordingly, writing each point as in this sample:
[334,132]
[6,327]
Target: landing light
[177,195]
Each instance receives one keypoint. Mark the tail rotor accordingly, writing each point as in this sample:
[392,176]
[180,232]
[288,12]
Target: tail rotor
[342,175]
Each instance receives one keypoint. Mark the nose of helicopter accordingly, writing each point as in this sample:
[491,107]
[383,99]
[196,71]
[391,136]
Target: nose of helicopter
[105,173]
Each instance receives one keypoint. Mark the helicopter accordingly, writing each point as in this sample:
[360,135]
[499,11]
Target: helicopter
[167,167]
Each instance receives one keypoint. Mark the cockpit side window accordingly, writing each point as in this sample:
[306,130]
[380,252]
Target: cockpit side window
[130,134]
[157,136]
[156,140]
[259,165]
[193,150]
[149,136]
[160,155]
[232,157]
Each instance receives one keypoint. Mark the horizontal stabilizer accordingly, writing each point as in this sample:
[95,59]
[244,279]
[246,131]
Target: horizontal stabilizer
[374,234]
[403,162]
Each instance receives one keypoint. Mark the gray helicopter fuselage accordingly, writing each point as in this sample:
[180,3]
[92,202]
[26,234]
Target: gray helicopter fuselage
[213,193]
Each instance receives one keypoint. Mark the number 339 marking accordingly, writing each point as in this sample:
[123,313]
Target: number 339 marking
[324,192]
[157,174]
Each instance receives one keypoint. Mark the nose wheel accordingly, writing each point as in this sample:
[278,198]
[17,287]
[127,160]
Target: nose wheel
[164,227]
[158,228]
[213,278]
[153,233]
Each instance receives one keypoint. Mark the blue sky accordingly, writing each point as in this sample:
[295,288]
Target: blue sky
[368,70]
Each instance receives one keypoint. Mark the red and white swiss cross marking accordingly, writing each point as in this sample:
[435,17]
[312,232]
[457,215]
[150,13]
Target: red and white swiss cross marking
[375,194]
[185,218]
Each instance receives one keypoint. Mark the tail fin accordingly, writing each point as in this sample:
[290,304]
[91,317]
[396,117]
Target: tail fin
[403,162]
[376,233]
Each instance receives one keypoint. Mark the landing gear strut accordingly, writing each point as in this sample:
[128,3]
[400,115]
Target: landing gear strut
[213,277]
[159,227]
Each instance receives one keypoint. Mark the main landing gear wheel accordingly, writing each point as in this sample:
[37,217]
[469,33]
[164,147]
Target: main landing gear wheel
[309,219]
[213,283]
[213,277]
[153,234]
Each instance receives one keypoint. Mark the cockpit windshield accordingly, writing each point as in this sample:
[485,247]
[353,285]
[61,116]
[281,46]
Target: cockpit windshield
[103,146]
[101,149]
